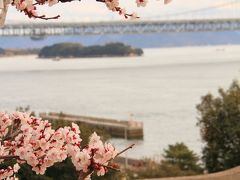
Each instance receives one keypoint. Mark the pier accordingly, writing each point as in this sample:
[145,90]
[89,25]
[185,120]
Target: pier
[116,128]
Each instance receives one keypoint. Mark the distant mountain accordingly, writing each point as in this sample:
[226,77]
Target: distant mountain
[135,40]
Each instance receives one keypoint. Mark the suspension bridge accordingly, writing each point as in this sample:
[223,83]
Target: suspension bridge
[196,20]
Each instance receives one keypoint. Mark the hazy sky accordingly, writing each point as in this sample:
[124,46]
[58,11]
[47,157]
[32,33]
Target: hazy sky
[90,10]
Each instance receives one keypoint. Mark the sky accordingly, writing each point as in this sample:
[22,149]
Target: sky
[92,11]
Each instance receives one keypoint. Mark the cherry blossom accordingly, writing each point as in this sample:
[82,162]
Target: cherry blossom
[31,140]
[141,3]
[30,7]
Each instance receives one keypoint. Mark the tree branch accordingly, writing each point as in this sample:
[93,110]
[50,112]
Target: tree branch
[129,147]
[9,157]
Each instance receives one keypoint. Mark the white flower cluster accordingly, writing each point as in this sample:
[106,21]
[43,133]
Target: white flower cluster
[33,141]
[113,5]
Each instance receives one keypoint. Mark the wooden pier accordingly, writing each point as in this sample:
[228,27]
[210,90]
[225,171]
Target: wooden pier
[116,128]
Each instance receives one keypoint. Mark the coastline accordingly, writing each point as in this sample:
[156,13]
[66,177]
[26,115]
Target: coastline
[160,48]
[71,57]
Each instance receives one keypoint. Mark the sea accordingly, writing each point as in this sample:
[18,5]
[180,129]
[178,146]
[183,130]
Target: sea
[161,89]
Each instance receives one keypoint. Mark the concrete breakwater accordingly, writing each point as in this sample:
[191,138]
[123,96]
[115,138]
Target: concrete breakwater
[117,128]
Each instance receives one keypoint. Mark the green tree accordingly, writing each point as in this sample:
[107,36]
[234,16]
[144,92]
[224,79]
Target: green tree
[178,161]
[180,155]
[219,122]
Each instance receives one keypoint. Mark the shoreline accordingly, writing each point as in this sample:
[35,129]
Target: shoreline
[65,58]
[162,48]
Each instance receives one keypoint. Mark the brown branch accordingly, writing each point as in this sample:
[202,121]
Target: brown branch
[44,17]
[83,175]
[130,15]
[64,1]
[129,147]
[11,135]
[9,157]
[109,167]
[39,17]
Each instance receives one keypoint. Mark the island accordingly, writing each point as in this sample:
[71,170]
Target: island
[2,51]
[17,52]
[76,50]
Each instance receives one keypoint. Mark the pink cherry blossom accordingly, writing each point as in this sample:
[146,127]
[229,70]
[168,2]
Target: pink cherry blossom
[141,3]
[33,141]
[29,7]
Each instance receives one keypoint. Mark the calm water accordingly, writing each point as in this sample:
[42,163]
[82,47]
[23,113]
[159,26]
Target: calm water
[161,89]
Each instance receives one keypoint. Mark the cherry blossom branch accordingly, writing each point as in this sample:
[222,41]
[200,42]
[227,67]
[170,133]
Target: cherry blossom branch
[9,157]
[110,167]
[30,14]
[30,8]
[33,141]
[129,147]
[11,135]
[46,18]
[83,175]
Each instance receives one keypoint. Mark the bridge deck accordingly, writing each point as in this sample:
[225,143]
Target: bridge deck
[123,27]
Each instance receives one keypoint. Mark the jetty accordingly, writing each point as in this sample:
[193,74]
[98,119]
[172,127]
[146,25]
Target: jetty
[116,128]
